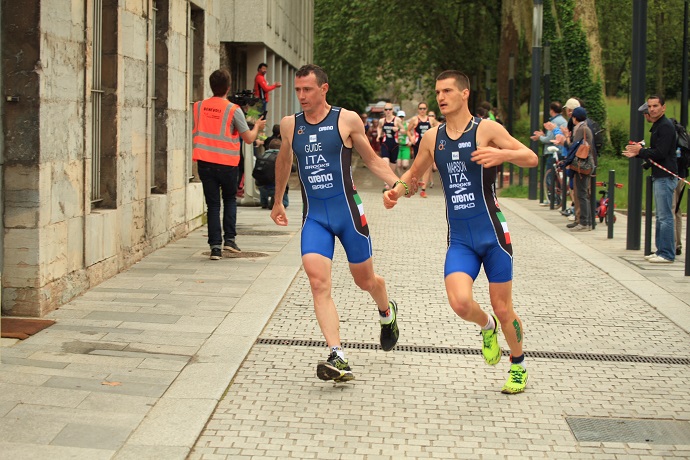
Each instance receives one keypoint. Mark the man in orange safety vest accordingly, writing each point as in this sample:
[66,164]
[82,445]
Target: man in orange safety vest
[218,127]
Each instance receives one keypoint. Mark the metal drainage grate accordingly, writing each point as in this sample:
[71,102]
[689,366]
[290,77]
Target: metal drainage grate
[477,351]
[238,255]
[262,232]
[629,430]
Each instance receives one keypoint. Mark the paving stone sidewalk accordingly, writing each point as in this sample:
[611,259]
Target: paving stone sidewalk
[182,357]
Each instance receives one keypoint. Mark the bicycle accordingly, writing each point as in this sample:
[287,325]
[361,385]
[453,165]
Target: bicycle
[603,203]
[550,174]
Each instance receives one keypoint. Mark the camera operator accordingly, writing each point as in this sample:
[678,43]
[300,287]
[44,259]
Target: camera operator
[261,87]
[218,127]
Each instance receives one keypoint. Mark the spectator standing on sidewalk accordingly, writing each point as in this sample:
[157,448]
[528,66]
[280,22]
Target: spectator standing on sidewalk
[467,151]
[322,138]
[581,182]
[261,86]
[218,126]
[555,118]
[662,150]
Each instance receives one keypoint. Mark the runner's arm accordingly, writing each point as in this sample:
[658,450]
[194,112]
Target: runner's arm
[283,169]
[496,146]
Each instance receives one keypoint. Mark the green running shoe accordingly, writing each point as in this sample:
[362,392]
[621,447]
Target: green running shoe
[389,332]
[334,368]
[490,348]
[517,381]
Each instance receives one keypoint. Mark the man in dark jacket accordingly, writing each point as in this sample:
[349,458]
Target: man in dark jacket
[663,153]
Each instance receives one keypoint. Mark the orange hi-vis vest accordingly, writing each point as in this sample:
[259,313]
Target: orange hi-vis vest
[214,140]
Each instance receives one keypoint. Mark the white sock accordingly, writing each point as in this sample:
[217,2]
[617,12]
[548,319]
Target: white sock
[388,318]
[338,351]
[490,325]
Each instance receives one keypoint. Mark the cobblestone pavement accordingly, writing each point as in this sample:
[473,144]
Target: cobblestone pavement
[425,403]
[180,357]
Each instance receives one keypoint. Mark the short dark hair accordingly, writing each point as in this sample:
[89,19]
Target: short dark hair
[460,78]
[263,64]
[220,82]
[481,112]
[276,129]
[486,105]
[274,144]
[556,107]
[662,99]
[319,73]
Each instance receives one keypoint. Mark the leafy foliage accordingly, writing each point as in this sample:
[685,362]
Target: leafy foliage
[367,45]
[570,60]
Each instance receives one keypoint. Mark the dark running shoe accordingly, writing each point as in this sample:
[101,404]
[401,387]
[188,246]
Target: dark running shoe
[389,332]
[216,254]
[231,246]
[334,368]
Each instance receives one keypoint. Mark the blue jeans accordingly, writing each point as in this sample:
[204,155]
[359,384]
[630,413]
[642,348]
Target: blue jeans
[220,181]
[664,189]
[266,191]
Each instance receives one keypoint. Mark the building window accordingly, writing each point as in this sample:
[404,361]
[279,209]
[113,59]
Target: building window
[195,75]
[105,120]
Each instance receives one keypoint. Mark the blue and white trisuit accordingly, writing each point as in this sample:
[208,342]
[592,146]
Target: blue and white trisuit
[332,206]
[477,230]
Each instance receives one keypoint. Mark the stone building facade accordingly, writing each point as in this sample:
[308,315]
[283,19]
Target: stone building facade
[95,146]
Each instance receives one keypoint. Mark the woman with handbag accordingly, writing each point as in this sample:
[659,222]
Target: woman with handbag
[582,166]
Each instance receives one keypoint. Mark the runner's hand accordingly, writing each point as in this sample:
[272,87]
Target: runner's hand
[390,198]
[278,214]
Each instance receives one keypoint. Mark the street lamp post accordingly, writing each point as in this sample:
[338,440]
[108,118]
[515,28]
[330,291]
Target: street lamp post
[537,19]
[511,96]
[547,95]
[638,75]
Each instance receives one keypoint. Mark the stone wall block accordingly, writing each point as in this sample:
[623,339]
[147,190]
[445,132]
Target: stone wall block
[62,69]
[94,238]
[177,207]
[133,93]
[75,243]
[66,191]
[62,132]
[133,26]
[53,252]
[178,16]
[196,205]
[156,216]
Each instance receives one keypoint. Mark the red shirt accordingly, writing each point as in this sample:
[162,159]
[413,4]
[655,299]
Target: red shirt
[261,87]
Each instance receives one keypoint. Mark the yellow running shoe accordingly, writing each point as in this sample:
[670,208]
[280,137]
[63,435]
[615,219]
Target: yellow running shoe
[490,348]
[517,381]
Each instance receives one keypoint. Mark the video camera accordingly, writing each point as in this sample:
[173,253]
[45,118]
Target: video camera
[244,97]
[253,107]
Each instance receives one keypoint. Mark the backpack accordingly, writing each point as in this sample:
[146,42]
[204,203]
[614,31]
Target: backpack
[682,143]
[264,172]
[598,133]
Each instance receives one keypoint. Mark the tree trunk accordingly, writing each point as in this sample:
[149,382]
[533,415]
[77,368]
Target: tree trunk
[586,12]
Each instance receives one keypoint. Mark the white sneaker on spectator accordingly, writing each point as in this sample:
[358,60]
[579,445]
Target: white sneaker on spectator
[650,256]
[659,260]
[571,217]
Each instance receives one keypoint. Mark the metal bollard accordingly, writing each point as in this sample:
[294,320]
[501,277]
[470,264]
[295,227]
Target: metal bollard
[687,238]
[609,210]
[648,218]
[593,200]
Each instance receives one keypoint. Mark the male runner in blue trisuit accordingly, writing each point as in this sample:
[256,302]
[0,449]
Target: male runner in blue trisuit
[467,151]
[322,138]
